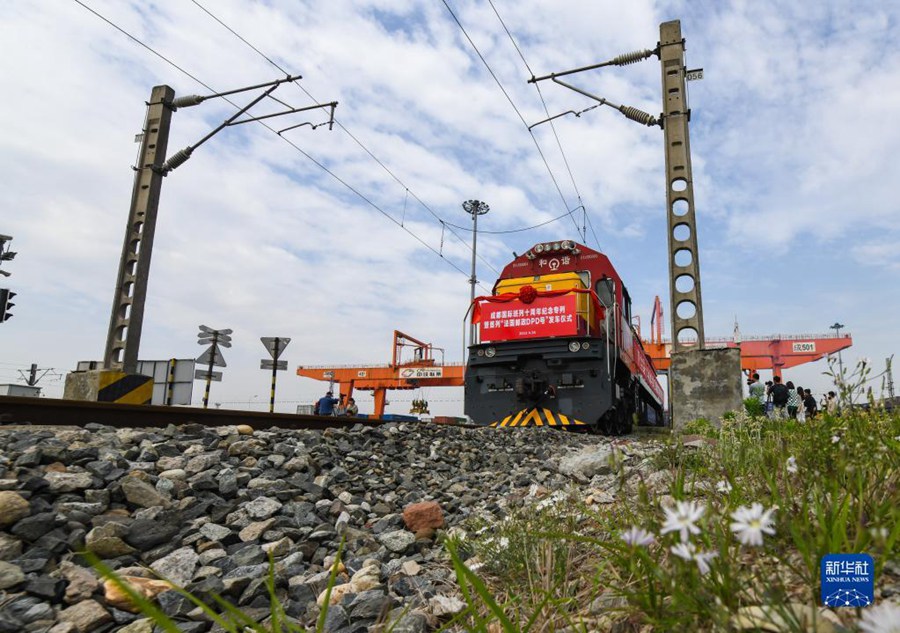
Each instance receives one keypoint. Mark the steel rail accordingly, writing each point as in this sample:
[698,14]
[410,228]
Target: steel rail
[49,411]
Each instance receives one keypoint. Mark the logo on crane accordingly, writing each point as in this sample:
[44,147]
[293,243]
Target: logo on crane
[417,373]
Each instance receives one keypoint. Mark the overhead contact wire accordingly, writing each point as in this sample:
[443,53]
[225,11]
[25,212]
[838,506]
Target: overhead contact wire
[378,160]
[288,141]
[547,111]
[526,228]
[515,108]
[339,124]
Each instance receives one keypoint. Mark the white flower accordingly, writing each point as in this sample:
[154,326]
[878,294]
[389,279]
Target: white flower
[703,560]
[683,518]
[750,523]
[637,536]
[504,542]
[879,533]
[884,618]
[835,439]
[724,486]
[687,551]
[684,550]
[792,464]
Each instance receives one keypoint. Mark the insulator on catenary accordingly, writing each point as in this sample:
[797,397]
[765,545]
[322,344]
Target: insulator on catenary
[638,115]
[188,101]
[179,158]
[631,58]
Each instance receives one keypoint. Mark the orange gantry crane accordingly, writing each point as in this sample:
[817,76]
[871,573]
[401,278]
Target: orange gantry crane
[775,352]
[422,370]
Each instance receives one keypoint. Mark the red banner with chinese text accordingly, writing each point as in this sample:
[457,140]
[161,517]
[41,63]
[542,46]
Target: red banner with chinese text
[543,317]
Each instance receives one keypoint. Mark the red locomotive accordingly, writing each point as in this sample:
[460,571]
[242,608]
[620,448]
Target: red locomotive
[556,347]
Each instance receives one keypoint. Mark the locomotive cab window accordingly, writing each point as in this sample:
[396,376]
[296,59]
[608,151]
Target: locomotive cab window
[626,305]
[585,279]
[606,291]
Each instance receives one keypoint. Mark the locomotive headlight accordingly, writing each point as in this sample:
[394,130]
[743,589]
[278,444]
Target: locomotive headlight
[481,352]
[556,246]
[585,345]
[574,346]
[539,249]
[490,352]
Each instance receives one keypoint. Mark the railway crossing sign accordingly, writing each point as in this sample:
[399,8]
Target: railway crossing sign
[212,355]
[208,335]
[275,346]
[205,374]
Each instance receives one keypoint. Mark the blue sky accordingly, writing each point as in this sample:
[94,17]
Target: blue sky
[792,135]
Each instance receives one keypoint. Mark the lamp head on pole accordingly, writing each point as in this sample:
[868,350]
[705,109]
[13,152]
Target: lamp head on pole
[475,207]
[836,327]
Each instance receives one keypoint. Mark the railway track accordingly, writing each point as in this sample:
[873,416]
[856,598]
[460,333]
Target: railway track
[49,411]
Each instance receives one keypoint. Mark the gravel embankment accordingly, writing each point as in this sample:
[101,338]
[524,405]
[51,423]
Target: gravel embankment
[206,508]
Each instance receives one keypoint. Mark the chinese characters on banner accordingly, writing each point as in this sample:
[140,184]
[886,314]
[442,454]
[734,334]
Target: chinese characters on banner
[545,316]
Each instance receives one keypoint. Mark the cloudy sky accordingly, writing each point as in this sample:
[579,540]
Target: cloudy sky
[336,238]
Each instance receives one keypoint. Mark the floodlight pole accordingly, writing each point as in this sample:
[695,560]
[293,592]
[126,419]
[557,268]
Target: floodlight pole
[474,208]
[837,327]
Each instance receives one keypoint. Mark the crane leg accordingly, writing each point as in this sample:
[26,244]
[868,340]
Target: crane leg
[380,393]
[346,390]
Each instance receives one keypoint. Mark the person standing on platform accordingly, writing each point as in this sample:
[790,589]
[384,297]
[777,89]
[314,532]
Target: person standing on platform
[757,390]
[326,404]
[779,394]
[794,400]
[831,403]
[809,402]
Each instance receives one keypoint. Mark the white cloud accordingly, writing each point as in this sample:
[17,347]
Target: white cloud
[791,136]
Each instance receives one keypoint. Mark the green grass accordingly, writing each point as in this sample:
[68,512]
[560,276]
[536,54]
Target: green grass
[843,498]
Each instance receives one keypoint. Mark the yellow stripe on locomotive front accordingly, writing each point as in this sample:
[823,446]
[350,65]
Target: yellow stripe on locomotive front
[537,417]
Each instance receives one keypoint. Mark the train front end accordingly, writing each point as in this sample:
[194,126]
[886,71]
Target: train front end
[541,357]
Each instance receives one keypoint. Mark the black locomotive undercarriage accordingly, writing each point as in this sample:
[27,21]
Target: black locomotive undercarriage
[588,384]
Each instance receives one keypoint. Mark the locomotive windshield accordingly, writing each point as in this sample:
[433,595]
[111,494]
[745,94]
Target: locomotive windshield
[606,291]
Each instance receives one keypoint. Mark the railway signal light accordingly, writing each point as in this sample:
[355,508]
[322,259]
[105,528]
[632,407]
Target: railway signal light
[6,303]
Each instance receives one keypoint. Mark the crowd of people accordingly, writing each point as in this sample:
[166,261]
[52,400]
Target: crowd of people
[329,405]
[783,400]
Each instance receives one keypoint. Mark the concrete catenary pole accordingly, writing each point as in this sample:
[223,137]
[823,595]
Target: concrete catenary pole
[684,264]
[127,317]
